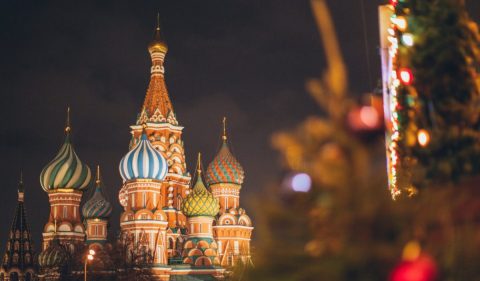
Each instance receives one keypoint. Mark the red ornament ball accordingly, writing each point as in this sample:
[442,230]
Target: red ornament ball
[421,269]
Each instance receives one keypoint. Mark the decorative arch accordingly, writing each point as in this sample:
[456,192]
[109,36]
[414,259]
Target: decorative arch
[195,252]
[66,227]
[202,244]
[143,214]
[160,215]
[79,228]
[203,261]
[227,219]
[245,220]
[189,245]
[210,253]
[127,216]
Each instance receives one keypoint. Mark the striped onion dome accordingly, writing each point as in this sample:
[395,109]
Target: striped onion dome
[143,161]
[97,207]
[53,256]
[200,202]
[65,170]
[225,168]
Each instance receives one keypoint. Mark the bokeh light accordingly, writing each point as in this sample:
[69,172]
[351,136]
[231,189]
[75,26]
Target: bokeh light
[301,182]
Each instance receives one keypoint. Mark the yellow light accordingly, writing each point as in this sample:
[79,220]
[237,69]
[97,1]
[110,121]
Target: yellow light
[90,257]
[407,39]
[423,137]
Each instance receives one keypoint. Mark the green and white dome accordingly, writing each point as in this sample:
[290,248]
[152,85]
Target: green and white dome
[65,171]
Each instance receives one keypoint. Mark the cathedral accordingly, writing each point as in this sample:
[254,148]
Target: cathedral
[174,225]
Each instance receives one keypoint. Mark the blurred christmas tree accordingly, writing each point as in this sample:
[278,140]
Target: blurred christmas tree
[345,226]
[439,95]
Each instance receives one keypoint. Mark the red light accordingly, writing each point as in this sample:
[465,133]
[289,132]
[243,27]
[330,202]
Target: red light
[393,2]
[406,76]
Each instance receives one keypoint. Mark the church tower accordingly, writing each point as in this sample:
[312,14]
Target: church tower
[18,261]
[64,179]
[233,227]
[200,207]
[96,212]
[143,222]
[157,124]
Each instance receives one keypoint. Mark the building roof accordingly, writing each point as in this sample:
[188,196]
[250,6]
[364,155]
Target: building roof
[200,201]
[97,206]
[225,168]
[143,161]
[66,170]
[19,252]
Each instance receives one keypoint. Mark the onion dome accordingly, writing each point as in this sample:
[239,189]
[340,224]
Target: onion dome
[143,161]
[97,207]
[53,256]
[157,44]
[65,170]
[225,168]
[200,202]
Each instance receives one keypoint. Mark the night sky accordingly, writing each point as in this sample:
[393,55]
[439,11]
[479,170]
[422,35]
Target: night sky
[247,60]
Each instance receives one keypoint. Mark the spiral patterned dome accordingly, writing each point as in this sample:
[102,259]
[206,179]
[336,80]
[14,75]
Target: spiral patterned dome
[65,170]
[225,168]
[97,207]
[143,162]
[200,202]
[53,256]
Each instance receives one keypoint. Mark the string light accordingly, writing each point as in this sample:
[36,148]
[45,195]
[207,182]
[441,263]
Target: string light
[400,23]
[423,137]
[407,39]
[406,76]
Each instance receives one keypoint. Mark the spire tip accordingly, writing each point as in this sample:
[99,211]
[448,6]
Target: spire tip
[98,181]
[67,126]
[224,136]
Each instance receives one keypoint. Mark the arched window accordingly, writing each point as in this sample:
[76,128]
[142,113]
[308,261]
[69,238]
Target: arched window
[13,276]
[28,276]
[26,246]
[170,243]
[27,258]
[16,246]
[15,258]
[17,234]
[64,211]
[179,202]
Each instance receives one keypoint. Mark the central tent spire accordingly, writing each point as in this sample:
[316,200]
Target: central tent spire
[157,107]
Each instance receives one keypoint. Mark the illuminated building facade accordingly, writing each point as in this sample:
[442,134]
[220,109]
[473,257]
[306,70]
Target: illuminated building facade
[176,230]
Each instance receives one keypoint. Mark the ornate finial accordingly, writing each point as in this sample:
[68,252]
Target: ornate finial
[98,181]
[158,21]
[21,177]
[20,187]
[67,126]
[224,136]
[199,165]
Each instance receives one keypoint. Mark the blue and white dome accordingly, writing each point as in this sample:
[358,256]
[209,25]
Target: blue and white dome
[143,162]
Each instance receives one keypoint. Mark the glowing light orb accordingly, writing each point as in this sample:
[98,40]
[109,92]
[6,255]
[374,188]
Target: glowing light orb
[423,137]
[91,252]
[406,76]
[400,22]
[90,257]
[301,182]
[369,116]
[407,39]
